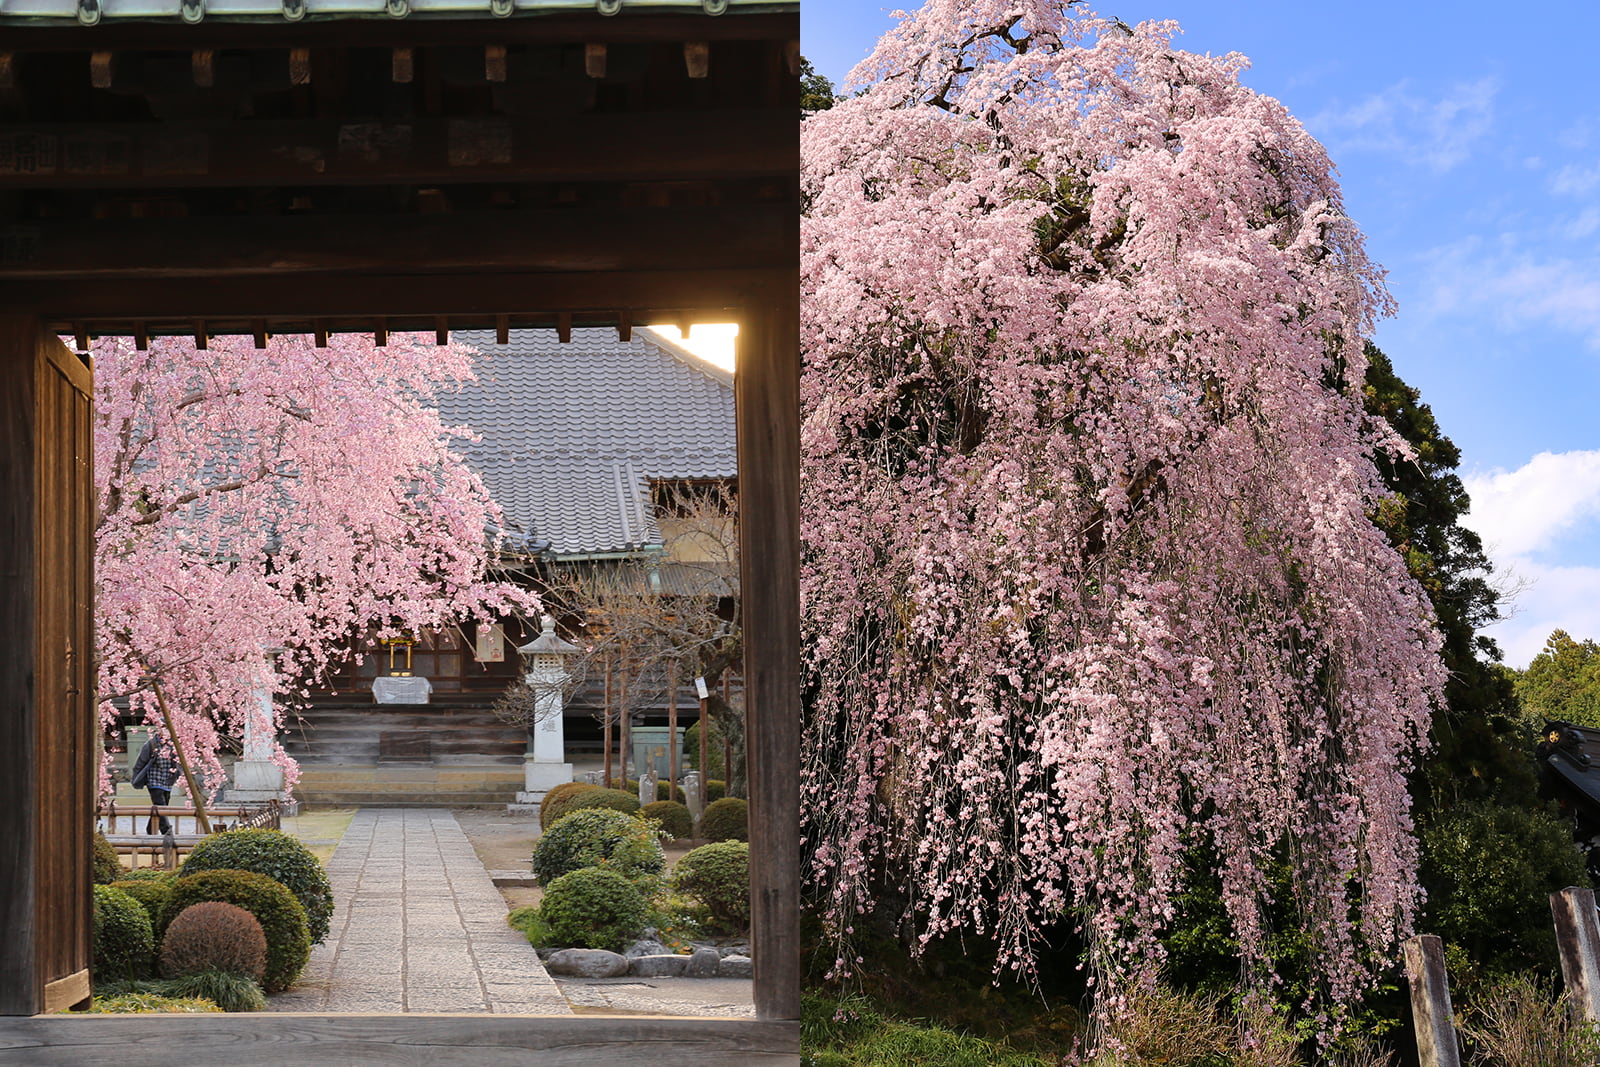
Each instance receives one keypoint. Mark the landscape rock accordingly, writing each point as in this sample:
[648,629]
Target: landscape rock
[646,946]
[587,963]
[666,965]
[704,963]
[735,967]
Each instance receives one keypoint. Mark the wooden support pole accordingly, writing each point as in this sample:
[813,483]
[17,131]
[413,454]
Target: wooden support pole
[1578,941]
[610,714]
[258,331]
[195,796]
[494,62]
[672,730]
[100,69]
[202,65]
[624,327]
[380,336]
[319,335]
[767,411]
[705,751]
[1430,1003]
[201,338]
[594,60]
[697,58]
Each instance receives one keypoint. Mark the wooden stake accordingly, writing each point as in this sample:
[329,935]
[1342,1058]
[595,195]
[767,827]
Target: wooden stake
[502,329]
[258,330]
[380,336]
[141,337]
[1430,1003]
[200,336]
[624,327]
[564,327]
[319,334]
[441,332]
[623,756]
[183,760]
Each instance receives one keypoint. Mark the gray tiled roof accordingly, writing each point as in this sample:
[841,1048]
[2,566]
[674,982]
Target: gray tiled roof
[573,434]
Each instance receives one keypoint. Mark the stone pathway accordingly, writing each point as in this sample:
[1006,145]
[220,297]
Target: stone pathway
[418,927]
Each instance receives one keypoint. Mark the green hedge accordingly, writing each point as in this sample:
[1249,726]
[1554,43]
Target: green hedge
[674,818]
[557,799]
[727,819]
[594,908]
[718,876]
[152,894]
[278,856]
[594,836]
[124,942]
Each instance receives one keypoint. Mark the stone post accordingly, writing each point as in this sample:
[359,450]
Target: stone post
[256,778]
[694,794]
[647,786]
[1578,941]
[545,764]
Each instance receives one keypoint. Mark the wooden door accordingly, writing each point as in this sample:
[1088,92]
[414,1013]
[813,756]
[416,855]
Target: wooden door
[47,725]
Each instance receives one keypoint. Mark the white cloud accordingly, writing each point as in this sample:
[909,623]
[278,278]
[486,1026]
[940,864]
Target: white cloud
[1438,133]
[1522,515]
[1474,277]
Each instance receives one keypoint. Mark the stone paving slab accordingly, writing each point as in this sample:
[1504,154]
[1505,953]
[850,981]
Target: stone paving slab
[418,926]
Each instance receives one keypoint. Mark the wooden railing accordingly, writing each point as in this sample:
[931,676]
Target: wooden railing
[125,827]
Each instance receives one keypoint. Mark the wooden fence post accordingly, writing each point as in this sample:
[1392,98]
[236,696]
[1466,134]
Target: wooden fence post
[1430,1002]
[1578,940]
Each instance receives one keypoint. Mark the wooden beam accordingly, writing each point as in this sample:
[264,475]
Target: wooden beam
[201,338]
[564,327]
[652,28]
[625,334]
[258,330]
[697,58]
[299,66]
[502,329]
[380,337]
[256,1040]
[565,239]
[319,335]
[441,331]
[178,154]
[401,66]
[594,59]
[767,408]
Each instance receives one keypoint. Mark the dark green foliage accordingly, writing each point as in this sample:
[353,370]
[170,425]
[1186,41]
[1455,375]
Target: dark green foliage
[214,936]
[669,791]
[716,789]
[107,868]
[228,990]
[148,874]
[282,919]
[816,91]
[1563,682]
[673,817]
[624,843]
[557,799]
[854,1033]
[150,1004]
[152,894]
[718,876]
[278,856]
[1489,869]
[725,820]
[691,744]
[594,907]
[123,940]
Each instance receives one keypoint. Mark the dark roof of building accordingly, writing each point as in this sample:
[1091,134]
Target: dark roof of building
[573,435]
[90,12]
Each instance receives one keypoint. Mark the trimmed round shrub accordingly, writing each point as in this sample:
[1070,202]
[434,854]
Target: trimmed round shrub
[148,874]
[282,919]
[594,836]
[107,868]
[594,908]
[716,789]
[123,940]
[228,990]
[214,936]
[727,819]
[557,798]
[666,790]
[609,799]
[152,894]
[673,817]
[278,856]
[718,876]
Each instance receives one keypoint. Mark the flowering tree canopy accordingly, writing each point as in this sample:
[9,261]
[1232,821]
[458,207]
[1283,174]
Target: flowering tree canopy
[1091,582]
[279,498]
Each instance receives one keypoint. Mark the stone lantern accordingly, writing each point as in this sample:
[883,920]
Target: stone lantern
[545,765]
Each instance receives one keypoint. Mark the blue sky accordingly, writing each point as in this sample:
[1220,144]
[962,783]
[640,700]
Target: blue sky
[1467,137]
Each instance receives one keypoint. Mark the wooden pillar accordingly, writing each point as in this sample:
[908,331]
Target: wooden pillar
[672,730]
[1430,1003]
[767,396]
[47,769]
[1578,941]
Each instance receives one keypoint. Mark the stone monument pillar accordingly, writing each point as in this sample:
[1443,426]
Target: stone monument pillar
[545,765]
[256,778]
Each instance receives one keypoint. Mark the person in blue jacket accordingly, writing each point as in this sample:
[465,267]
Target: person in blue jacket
[155,769]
